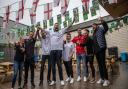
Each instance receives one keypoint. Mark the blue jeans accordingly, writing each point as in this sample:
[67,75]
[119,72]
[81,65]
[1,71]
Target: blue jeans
[79,58]
[18,68]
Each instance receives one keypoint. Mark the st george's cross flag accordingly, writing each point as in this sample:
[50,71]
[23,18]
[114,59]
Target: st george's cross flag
[112,1]
[56,3]
[33,11]
[21,9]
[48,11]
[6,17]
[64,6]
[86,5]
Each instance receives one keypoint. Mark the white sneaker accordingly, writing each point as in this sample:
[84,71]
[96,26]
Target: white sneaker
[78,79]
[62,83]
[52,83]
[100,81]
[68,79]
[85,79]
[72,80]
[106,83]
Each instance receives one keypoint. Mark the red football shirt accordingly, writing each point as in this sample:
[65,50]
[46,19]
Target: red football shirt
[80,40]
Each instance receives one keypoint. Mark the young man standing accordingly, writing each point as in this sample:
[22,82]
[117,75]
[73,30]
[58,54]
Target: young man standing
[80,54]
[100,46]
[67,57]
[46,47]
[56,50]
[29,57]
[90,55]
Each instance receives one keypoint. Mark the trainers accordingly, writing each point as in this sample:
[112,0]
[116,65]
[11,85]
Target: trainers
[78,79]
[92,80]
[52,83]
[62,82]
[72,80]
[100,81]
[85,79]
[68,79]
[106,83]
[48,81]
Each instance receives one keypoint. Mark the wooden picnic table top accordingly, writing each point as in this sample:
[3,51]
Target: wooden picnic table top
[2,71]
[6,64]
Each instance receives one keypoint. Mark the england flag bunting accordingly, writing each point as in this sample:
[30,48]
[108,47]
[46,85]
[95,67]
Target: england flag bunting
[6,17]
[64,6]
[86,5]
[112,1]
[47,11]
[17,17]
[33,11]
[21,9]
[56,3]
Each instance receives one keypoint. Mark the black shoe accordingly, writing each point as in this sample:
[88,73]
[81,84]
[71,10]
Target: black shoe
[48,81]
[33,85]
[25,85]
[41,83]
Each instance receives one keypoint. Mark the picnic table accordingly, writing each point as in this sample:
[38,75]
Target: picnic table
[6,70]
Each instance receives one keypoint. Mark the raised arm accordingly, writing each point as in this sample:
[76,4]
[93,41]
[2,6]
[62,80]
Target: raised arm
[104,24]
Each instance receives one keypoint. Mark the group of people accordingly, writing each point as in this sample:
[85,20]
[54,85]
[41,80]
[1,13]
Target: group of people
[56,50]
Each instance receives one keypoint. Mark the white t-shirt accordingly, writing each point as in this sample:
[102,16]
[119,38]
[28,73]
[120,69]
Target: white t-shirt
[57,39]
[68,49]
[46,45]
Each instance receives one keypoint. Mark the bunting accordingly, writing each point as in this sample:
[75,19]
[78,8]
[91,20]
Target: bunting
[76,14]
[93,11]
[44,24]
[59,19]
[64,6]
[65,24]
[95,4]
[6,17]
[67,16]
[51,22]
[86,5]
[56,3]
[33,11]
[21,9]
[47,11]
[85,14]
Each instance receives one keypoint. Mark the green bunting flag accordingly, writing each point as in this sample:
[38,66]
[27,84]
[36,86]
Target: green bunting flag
[76,14]
[95,4]
[93,11]
[51,22]
[85,14]
[125,20]
[69,21]
[59,19]
[32,28]
[65,24]
[45,24]
[67,16]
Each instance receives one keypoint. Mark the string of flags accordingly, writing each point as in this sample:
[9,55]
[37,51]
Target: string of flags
[48,8]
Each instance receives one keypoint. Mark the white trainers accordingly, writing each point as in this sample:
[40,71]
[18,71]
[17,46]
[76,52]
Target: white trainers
[85,79]
[62,83]
[78,79]
[68,79]
[72,80]
[100,81]
[52,83]
[106,83]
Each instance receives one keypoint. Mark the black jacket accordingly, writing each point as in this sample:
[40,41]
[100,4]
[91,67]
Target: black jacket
[19,54]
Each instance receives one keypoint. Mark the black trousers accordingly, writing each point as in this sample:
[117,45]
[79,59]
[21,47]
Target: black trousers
[44,57]
[55,56]
[68,67]
[29,63]
[90,59]
[101,63]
